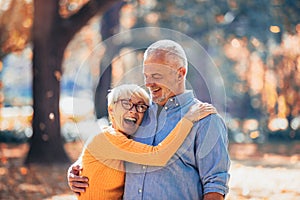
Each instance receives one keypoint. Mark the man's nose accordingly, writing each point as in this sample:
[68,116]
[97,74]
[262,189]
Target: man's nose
[148,82]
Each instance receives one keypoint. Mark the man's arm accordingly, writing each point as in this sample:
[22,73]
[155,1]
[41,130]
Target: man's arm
[213,157]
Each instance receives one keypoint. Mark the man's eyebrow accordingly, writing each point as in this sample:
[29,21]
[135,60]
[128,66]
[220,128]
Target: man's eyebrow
[151,74]
[156,74]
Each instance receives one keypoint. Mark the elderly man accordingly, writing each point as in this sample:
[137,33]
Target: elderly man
[199,169]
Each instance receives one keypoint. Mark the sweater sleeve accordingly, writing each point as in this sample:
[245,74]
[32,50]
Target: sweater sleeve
[118,146]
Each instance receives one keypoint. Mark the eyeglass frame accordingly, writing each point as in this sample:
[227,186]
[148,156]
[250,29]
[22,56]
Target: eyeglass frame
[132,105]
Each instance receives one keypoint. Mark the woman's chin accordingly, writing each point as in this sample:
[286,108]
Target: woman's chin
[130,129]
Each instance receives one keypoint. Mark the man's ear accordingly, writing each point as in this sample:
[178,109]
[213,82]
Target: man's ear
[181,73]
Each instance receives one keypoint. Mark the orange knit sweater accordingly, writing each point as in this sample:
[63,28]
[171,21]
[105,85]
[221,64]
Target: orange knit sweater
[103,157]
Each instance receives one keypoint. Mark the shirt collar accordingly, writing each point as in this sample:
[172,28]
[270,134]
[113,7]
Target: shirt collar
[179,100]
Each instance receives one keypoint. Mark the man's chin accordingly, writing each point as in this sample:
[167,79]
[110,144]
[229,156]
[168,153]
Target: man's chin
[160,101]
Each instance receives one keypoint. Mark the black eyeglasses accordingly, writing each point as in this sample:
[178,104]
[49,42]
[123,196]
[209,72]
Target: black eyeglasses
[128,105]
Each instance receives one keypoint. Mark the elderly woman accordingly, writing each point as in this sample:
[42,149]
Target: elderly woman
[103,155]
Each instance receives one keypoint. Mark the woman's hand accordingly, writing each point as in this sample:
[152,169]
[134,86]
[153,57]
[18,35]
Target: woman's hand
[199,111]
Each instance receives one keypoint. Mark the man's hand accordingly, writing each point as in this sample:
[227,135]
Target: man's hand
[77,183]
[213,196]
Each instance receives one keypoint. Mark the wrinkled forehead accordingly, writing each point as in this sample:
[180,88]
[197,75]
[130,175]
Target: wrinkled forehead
[150,67]
[156,65]
[162,58]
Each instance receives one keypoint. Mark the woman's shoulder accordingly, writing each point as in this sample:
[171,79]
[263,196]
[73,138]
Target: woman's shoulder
[99,135]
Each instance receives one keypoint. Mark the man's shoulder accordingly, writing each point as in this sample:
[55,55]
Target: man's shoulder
[212,119]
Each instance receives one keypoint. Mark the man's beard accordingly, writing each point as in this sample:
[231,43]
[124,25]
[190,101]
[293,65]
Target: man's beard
[165,96]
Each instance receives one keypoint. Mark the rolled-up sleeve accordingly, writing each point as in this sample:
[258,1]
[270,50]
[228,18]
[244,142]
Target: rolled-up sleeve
[212,155]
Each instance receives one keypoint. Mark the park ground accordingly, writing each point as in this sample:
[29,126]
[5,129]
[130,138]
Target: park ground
[258,172]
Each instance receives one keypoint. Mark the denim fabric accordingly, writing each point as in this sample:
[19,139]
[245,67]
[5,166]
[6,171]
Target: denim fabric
[199,166]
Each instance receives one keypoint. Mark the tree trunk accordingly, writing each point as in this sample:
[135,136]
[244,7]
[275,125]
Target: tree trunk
[109,27]
[46,144]
[51,35]
[103,86]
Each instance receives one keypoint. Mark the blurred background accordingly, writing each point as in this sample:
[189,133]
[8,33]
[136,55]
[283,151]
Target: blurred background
[255,45]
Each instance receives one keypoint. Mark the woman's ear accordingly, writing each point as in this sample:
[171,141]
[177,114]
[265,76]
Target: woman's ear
[111,114]
[110,110]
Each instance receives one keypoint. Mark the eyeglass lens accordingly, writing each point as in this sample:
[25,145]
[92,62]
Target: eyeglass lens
[126,104]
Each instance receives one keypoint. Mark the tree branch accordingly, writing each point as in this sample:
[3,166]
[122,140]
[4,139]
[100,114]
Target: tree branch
[75,22]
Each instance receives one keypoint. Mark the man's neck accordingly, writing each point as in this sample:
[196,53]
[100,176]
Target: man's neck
[159,108]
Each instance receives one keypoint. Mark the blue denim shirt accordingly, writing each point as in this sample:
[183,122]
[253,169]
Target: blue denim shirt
[199,166]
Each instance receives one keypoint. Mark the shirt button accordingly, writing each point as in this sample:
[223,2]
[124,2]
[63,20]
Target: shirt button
[144,167]
[171,100]
[166,108]
[140,190]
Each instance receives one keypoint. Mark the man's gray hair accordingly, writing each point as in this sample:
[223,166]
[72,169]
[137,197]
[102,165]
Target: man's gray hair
[172,50]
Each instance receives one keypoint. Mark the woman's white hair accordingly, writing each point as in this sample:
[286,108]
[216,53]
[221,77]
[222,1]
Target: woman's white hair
[171,50]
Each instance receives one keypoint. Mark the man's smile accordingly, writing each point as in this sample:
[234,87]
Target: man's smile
[155,90]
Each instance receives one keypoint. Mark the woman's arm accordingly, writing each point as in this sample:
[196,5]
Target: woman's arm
[118,146]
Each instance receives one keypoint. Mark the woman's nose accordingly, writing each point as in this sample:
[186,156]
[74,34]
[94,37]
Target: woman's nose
[133,109]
